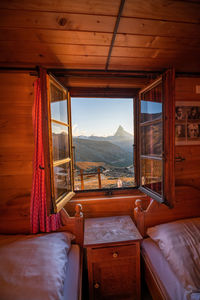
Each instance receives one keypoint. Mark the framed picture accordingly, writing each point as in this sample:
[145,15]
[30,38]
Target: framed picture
[187,123]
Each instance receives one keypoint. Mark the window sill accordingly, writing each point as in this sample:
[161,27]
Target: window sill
[101,205]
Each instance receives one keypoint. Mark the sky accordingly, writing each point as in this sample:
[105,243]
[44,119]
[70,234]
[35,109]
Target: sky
[101,116]
[151,107]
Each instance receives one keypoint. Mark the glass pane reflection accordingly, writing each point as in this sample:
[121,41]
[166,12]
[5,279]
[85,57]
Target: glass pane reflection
[62,179]
[60,141]
[56,93]
[59,111]
[150,111]
[151,139]
[151,174]
[58,104]
[154,94]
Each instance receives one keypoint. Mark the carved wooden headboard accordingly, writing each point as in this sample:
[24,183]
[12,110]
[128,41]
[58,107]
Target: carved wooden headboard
[74,224]
[186,205]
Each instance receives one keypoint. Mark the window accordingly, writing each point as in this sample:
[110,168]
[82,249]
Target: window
[60,144]
[156,139]
[151,140]
[103,140]
[106,153]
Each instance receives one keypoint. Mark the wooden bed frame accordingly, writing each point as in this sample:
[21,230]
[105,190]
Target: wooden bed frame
[75,225]
[186,205]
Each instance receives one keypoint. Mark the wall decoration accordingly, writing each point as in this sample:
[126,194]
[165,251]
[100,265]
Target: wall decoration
[187,123]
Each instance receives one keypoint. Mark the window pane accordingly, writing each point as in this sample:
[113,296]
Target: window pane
[60,141]
[150,111]
[62,180]
[154,94]
[56,93]
[103,140]
[151,139]
[59,111]
[58,104]
[151,174]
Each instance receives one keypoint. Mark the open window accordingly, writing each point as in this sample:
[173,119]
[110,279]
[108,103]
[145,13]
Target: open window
[103,143]
[151,164]
[58,143]
[156,139]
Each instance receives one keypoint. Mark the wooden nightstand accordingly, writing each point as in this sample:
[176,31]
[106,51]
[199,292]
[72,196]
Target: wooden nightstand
[113,258]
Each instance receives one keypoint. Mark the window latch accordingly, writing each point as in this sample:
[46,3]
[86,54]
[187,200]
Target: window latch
[179,158]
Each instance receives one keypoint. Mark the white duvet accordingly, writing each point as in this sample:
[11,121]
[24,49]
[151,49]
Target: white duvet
[180,244]
[33,267]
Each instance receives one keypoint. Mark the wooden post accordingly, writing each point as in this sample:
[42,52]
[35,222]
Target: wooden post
[99,177]
[82,180]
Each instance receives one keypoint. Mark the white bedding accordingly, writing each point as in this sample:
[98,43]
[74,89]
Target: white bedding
[180,244]
[162,270]
[72,278]
[34,266]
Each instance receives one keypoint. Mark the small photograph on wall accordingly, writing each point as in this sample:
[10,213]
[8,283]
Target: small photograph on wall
[180,131]
[180,113]
[187,123]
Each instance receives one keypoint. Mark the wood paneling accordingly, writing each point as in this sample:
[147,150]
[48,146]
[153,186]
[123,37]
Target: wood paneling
[102,7]
[78,35]
[183,11]
[185,89]
[60,49]
[187,172]
[104,82]
[157,64]
[51,60]
[156,42]
[55,36]
[158,28]
[56,21]
[16,151]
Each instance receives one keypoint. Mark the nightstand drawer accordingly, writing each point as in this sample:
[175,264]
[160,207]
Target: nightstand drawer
[115,252]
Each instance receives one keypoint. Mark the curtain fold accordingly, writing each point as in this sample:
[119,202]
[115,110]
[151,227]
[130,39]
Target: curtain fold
[40,222]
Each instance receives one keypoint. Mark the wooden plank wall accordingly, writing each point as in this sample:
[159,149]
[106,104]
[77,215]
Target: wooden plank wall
[187,172]
[16,151]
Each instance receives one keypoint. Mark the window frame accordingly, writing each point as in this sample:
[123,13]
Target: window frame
[168,137]
[57,203]
[168,129]
[95,94]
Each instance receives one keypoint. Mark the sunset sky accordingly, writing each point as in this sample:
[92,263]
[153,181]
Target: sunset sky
[101,116]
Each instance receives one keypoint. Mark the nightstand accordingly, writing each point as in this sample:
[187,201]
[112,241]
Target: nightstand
[113,258]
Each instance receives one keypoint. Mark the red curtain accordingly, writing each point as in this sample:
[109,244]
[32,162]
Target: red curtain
[40,222]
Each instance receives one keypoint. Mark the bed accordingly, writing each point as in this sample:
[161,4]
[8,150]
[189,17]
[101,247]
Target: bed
[43,266]
[171,246]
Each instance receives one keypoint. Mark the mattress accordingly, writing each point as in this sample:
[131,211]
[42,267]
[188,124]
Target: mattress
[72,280]
[163,271]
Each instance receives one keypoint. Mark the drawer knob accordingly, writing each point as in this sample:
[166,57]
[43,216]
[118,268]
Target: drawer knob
[115,254]
[96,285]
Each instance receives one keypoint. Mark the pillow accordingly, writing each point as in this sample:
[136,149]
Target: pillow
[33,266]
[180,244]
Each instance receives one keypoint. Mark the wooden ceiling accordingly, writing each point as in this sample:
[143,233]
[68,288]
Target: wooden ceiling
[151,35]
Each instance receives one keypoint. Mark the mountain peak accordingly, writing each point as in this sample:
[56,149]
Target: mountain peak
[121,132]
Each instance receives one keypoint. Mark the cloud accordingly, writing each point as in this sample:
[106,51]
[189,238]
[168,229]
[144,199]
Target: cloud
[76,131]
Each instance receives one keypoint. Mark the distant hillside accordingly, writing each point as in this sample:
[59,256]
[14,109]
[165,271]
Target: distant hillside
[101,151]
[121,138]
